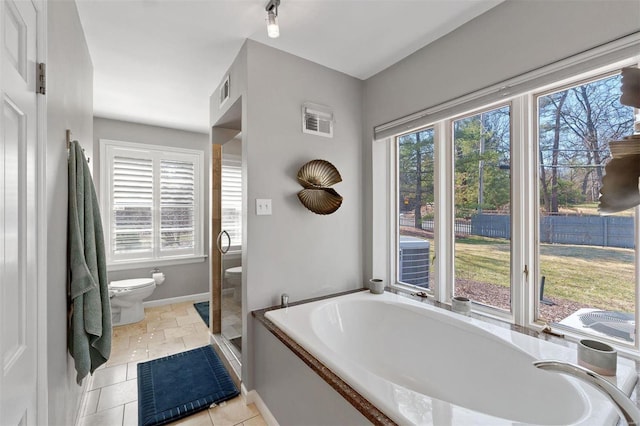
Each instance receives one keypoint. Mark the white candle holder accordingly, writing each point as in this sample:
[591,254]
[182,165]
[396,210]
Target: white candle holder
[461,305]
[376,286]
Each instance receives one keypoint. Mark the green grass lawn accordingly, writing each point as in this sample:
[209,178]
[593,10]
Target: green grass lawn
[601,277]
[589,209]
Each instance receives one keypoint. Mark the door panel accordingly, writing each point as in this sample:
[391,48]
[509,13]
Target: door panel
[216,229]
[18,225]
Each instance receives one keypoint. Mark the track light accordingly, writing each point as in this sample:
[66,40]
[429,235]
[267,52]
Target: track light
[273,30]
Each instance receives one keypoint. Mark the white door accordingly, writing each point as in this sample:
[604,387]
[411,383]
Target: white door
[18,218]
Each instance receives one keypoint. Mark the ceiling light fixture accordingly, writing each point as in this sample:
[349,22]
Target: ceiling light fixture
[273,30]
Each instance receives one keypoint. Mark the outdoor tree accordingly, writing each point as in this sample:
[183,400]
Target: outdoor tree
[575,127]
[415,165]
[482,162]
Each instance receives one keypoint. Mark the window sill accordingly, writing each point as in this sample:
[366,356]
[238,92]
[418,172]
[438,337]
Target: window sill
[153,263]
[568,336]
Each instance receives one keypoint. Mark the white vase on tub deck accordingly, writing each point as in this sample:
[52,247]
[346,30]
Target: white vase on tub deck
[425,365]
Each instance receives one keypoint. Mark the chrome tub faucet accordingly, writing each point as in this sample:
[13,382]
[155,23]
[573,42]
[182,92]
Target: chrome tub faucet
[622,402]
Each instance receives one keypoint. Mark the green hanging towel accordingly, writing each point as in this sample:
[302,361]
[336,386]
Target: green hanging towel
[89,337]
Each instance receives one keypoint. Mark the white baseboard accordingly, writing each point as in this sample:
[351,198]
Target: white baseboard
[82,405]
[252,397]
[190,298]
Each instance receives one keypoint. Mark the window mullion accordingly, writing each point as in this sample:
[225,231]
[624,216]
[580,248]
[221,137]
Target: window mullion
[199,207]
[521,277]
[392,223]
[637,276]
[106,190]
[443,210]
[531,205]
[156,206]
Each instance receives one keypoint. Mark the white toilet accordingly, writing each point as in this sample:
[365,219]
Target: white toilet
[234,278]
[127,296]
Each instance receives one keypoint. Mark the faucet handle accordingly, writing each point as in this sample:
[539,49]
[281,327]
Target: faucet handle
[284,300]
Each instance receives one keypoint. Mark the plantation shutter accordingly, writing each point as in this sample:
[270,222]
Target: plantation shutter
[154,203]
[177,205]
[232,201]
[132,206]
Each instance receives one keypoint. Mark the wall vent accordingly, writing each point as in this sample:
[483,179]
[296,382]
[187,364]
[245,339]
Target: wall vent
[225,90]
[317,120]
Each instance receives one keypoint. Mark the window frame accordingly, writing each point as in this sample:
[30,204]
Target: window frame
[632,348]
[524,212]
[515,297]
[108,150]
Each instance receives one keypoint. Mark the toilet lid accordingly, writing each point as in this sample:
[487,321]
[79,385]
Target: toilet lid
[234,270]
[132,283]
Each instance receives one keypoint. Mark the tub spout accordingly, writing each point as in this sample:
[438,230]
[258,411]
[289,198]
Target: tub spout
[624,404]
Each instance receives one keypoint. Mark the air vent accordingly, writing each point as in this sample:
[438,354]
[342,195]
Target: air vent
[317,120]
[225,91]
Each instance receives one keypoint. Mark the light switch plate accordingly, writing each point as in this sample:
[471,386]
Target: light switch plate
[263,206]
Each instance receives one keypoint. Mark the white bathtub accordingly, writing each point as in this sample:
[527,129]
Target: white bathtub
[422,365]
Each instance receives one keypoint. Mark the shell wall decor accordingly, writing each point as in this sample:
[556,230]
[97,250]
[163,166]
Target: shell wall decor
[316,177]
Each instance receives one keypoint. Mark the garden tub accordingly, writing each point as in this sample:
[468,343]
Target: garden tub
[419,364]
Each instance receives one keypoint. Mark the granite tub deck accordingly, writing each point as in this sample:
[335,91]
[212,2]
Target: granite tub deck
[584,404]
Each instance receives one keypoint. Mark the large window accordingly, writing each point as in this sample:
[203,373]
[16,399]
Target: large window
[151,202]
[508,196]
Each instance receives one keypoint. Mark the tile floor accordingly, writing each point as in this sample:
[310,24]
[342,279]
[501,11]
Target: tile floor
[231,316]
[112,397]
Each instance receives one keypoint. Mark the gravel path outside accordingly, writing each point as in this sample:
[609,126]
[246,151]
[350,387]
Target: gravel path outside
[498,296]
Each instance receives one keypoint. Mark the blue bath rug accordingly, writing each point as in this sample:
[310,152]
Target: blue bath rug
[203,310]
[179,385]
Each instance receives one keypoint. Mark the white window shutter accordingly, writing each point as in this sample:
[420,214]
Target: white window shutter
[132,206]
[154,199]
[232,201]
[177,205]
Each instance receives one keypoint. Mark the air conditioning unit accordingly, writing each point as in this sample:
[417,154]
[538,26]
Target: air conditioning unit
[317,120]
[414,261]
[600,323]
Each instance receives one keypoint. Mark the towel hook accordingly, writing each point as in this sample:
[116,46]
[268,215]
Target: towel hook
[68,132]
[68,137]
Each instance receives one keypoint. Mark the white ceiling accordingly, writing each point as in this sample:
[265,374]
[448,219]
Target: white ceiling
[158,61]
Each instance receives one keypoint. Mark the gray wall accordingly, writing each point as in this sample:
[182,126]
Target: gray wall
[293,392]
[294,250]
[181,280]
[513,38]
[233,147]
[238,89]
[69,106]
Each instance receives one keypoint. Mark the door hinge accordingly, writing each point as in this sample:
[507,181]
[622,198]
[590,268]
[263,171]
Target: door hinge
[42,79]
